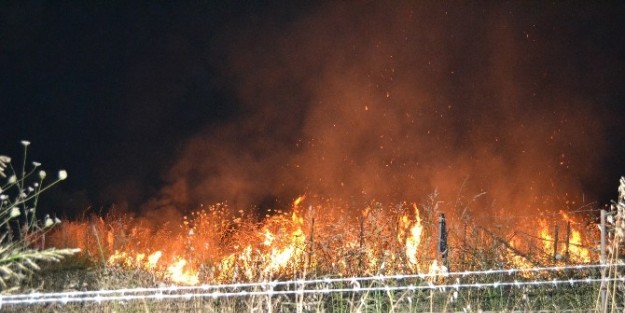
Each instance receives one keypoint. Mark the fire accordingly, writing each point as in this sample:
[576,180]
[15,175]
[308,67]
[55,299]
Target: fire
[436,271]
[119,257]
[545,234]
[153,259]
[281,243]
[569,241]
[218,245]
[577,250]
[516,260]
[412,237]
[299,200]
[178,273]
[280,257]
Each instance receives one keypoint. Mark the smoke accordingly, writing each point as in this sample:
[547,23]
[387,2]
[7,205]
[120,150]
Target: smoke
[392,102]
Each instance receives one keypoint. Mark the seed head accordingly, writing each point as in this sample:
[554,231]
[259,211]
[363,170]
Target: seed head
[48,222]
[4,160]
[62,174]
[15,212]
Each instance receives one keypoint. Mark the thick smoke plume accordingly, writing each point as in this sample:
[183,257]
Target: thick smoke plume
[392,102]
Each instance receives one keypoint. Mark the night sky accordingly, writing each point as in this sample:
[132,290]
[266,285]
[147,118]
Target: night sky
[160,106]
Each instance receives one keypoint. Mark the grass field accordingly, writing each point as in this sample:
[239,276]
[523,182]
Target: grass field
[475,293]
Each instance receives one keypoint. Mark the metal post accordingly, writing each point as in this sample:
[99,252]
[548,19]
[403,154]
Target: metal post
[568,239]
[442,240]
[603,260]
[555,244]
[362,244]
[464,245]
[311,249]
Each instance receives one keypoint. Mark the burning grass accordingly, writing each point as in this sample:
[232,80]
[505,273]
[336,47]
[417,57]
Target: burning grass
[325,240]
[319,237]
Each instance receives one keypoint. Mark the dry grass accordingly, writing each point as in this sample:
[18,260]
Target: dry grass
[21,232]
[364,244]
[325,239]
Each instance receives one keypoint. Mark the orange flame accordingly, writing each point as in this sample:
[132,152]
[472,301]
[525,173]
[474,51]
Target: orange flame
[280,257]
[299,200]
[232,247]
[412,237]
[178,273]
[574,250]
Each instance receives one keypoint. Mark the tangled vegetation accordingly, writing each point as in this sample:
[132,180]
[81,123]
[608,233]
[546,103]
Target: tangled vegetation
[21,231]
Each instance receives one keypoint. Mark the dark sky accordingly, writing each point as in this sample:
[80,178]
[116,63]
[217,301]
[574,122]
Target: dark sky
[176,104]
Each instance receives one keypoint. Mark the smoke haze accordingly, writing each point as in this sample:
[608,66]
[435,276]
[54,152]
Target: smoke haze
[372,101]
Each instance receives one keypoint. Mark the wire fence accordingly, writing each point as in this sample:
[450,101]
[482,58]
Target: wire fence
[520,283]
[511,278]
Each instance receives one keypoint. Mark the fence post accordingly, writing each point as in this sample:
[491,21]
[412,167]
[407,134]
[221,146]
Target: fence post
[442,240]
[362,243]
[568,239]
[311,249]
[464,245]
[555,244]
[603,260]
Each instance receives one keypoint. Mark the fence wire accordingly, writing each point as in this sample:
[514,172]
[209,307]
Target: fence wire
[324,286]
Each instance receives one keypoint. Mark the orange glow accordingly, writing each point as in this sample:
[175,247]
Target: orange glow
[544,233]
[410,235]
[517,261]
[178,273]
[294,246]
[575,250]
[221,245]
[153,259]
[299,200]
